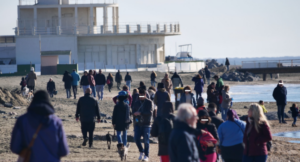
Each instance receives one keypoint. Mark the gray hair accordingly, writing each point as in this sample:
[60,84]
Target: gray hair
[185,112]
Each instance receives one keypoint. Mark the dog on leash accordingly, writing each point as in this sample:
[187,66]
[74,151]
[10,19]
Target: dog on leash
[108,139]
[123,151]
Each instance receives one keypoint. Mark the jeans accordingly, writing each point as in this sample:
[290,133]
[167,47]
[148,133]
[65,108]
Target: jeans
[84,87]
[88,127]
[145,132]
[50,94]
[74,87]
[128,83]
[198,94]
[295,120]
[99,89]
[122,139]
[68,91]
[227,67]
[224,113]
[93,90]
[280,113]
[261,158]
[109,87]
[208,81]
[118,85]
[153,83]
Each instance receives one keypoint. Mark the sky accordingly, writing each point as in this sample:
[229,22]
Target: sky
[215,28]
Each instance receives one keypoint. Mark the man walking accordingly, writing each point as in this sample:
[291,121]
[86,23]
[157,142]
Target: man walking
[128,80]
[279,95]
[227,63]
[118,79]
[219,88]
[84,82]
[75,82]
[212,109]
[31,78]
[87,110]
[207,74]
[142,111]
[100,83]
[68,83]
[92,82]
[176,80]
[161,96]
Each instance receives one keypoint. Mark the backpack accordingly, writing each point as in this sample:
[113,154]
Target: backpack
[108,81]
[165,129]
[206,137]
[23,84]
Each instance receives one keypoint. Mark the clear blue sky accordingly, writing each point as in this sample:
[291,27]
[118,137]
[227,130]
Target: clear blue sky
[216,28]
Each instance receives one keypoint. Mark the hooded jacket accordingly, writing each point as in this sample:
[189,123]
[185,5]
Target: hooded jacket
[219,85]
[161,96]
[183,99]
[68,80]
[279,94]
[76,78]
[87,109]
[198,84]
[176,80]
[119,118]
[295,111]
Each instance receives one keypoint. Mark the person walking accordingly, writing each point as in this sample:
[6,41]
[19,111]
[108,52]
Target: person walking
[198,85]
[295,113]
[227,63]
[76,79]
[84,82]
[188,96]
[183,143]
[110,81]
[257,134]
[152,91]
[31,78]
[129,97]
[87,110]
[92,82]
[213,95]
[202,74]
[279,94]
[41,131]
[119,79]
[142,112]
[128,80]
[167,83]
[207,74]
[161,96]
[231,134]
[204,123]
[51,87]
[143,87]
[135,97]
[212,110]
[121,118]
[100,83]
[152,78]
[162,128]
[219,88]
[226,102]
[176,80]
[67,78]
[23,83]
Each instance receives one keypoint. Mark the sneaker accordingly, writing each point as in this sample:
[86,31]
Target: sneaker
[141,156]
[84,142]
[293,125]
[146,158]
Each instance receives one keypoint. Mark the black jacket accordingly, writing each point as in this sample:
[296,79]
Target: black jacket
[119,77]
[111,80]
[119,116]
[212,96]
[100,79]
[207,72]
[153,77]
[215,119]
[50,86]
[176,80]
[128,78]
[211,128]
[135,98]
[87,109]
[84,81]
[183,143]
[162,149]
[68,80]
[279,95]
[295,111]
[227,62]
[146,109]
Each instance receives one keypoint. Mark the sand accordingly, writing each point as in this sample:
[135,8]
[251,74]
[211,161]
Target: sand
[65,109]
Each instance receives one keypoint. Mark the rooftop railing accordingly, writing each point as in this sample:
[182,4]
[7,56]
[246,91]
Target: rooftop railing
[71,2]
[270,63]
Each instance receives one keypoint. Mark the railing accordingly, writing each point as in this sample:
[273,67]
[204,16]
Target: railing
[60,2]
[270,63]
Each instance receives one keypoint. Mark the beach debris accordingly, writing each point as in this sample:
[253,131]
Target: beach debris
[17,107]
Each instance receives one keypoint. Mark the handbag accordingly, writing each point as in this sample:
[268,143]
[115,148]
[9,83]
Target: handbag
[206,137]
[108,81]
[269,145]
[25,154]
[55,92]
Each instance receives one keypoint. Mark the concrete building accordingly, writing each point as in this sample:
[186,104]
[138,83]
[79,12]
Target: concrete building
[51,32]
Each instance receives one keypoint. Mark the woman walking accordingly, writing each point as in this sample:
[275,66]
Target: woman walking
[198,85]
[110,81]
[256,136]
[188,96]
[51,87]
[153,77]
[128,80]
[226,102]
[231,134]
[167,83]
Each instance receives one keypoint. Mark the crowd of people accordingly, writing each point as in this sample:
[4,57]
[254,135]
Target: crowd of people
[195,133]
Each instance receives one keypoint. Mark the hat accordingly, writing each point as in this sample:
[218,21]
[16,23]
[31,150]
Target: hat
[200,101]
[122,93]
[202,113]
[160,85]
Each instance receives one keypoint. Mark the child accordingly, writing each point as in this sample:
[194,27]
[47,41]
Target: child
[295,112]
[261,103]
[23,83]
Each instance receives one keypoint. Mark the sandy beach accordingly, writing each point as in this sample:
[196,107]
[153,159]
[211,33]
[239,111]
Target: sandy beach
[282,150]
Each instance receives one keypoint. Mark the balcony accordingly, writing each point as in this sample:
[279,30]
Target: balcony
[69,2]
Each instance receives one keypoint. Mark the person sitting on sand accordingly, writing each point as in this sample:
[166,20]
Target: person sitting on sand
[261,104]
[295,113]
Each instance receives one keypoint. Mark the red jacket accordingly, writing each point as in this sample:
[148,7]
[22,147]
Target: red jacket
[91,80]
[255,143]
[129,98]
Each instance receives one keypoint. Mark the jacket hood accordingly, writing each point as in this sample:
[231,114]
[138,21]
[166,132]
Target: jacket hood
[41,108]
[212,113]
[162,89]
[150,91]
[175,75]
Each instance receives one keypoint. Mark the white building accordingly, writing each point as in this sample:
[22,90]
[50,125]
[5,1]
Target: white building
[71,34]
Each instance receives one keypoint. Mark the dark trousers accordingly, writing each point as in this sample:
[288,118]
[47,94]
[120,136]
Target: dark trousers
[109,87]
[198,94]
[30,88]
[232,160]
[262,158]
[88,127]
[74,87]
[280,112]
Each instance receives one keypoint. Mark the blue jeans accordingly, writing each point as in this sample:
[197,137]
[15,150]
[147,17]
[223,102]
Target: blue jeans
[145,132]
[93,90]
[227,67]
[262,158]
[128,83]
[84,87]
[122,139]
[224,113]
[99,89]
[295,120]
[280,113]
[153,83]
[68,91]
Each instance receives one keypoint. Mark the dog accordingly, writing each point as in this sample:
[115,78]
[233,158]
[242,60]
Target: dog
[108,139]
[25,92]
[123,151]
[30,95]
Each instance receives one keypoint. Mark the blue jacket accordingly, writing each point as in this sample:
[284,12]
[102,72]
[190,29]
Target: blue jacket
[50,144]
[183,99]
[230,133]
[279,95]
[76,78]
[198,84]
